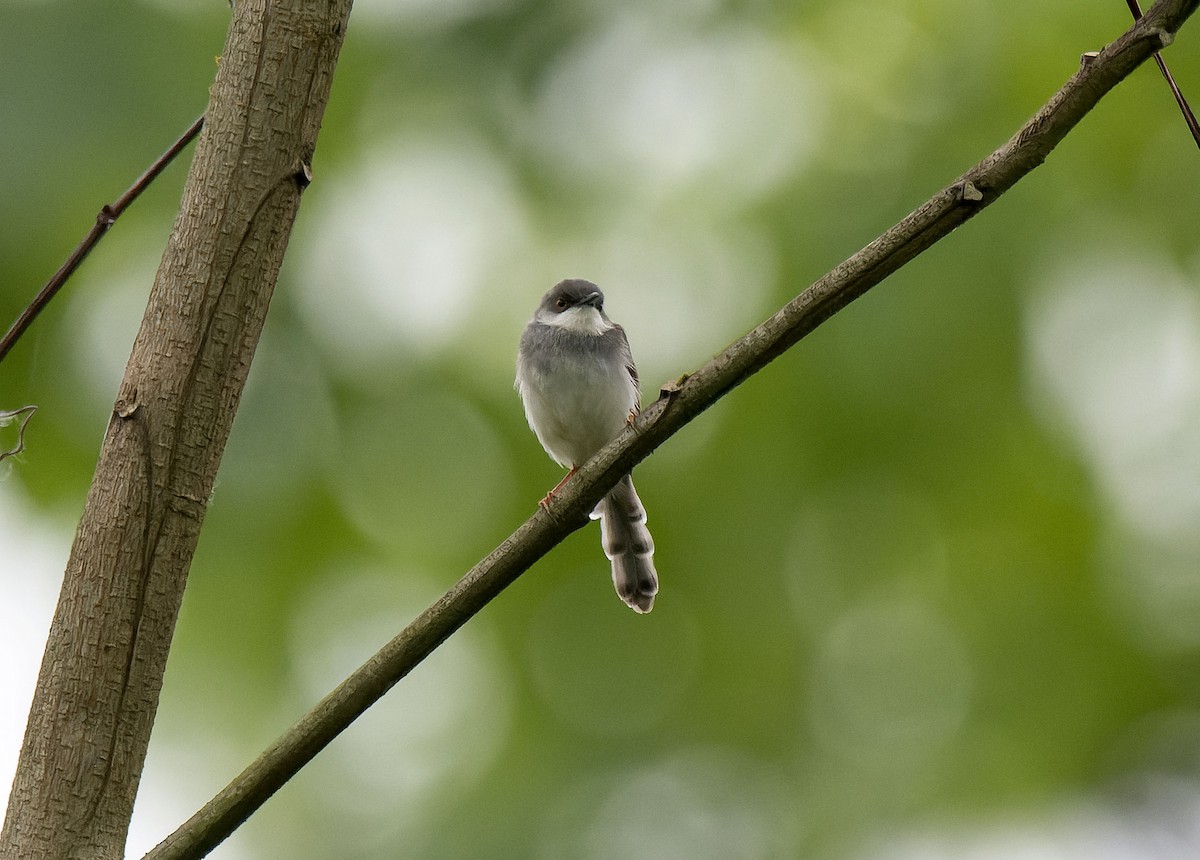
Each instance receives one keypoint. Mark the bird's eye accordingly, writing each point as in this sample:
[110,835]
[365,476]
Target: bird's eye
[561,303]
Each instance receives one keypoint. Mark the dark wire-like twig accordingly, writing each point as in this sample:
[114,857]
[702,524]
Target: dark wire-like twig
[1188,116]
[679,403]
[5,417]
[104,219]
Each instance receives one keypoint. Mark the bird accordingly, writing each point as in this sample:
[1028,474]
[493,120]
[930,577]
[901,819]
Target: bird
[579,387]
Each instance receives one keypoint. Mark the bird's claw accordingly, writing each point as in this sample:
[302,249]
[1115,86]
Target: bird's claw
[544,504]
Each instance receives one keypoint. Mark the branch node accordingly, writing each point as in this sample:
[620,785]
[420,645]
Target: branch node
[1165,37]
[127,405]
[969,192]
[303,175]
[1088,57]
[106,216]
[672,387]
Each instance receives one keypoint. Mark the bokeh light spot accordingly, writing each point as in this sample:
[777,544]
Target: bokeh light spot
[699,804]
[399,254]
[892,686]
[655,111]
[1114,349]
[1113,345]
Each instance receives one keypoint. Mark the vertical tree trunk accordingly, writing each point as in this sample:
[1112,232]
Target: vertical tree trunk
[89,724]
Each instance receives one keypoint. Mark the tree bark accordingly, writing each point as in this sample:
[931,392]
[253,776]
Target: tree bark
[89,724]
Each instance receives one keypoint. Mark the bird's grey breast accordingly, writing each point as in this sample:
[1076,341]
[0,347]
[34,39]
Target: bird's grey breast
[576,387]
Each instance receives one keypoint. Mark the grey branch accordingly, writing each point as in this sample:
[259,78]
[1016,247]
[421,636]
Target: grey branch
[678,403]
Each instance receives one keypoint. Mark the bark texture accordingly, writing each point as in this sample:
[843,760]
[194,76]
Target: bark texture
[89,724]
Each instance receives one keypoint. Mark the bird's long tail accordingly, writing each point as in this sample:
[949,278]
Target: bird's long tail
[628,545]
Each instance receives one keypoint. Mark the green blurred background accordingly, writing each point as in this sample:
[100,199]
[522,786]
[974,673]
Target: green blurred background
[929,582]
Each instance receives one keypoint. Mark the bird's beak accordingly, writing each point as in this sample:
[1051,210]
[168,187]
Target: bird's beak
[592,299]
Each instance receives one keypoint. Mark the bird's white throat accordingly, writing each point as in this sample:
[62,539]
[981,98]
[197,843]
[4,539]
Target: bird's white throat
[583,319]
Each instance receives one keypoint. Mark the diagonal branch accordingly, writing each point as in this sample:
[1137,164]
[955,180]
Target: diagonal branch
[1188,117]
[105,218]
[678,403]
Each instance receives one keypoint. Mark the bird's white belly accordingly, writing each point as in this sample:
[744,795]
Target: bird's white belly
[578,408]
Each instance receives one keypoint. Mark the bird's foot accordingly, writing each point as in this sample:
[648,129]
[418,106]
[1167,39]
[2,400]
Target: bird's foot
[544,504]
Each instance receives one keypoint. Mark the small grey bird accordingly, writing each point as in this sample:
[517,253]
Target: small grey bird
[576,377]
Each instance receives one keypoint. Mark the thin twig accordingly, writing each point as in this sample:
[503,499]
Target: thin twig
[1188,116]
[104,219]
[5,417]
[678,403]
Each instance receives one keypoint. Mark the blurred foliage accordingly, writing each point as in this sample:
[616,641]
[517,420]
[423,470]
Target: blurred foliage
[929,581]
